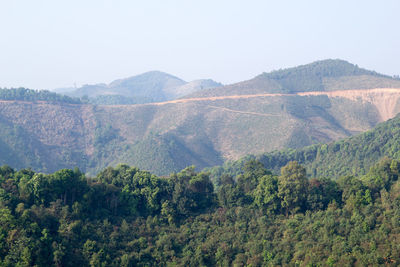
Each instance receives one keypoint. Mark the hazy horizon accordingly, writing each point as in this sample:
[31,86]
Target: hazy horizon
[47,44]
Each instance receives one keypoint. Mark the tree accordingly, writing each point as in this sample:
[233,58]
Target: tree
[192,192]
[253,171]
[382,175]
[292,187]
[68,185]
[321,192]
[266,194]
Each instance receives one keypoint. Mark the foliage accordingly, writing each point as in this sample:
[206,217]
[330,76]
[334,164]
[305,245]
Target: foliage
[292,187]
[129,217]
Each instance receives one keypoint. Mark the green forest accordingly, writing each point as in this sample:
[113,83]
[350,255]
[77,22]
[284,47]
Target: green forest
[129,217]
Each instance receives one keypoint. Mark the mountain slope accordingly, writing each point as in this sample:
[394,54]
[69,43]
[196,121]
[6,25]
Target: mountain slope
[350,156]
[207,130]
[45,136]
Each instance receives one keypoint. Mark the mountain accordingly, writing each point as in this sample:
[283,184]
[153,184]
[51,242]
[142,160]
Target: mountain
[207,127]
[153,86]
[324,75]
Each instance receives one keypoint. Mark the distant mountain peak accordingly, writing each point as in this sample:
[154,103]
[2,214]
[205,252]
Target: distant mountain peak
[314,76]
[321,68]
[155,76]
[151,86]
[322,75]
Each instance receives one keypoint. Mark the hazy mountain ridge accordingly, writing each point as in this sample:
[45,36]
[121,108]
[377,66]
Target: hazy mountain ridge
[311,77]
[152,86]
[207,130]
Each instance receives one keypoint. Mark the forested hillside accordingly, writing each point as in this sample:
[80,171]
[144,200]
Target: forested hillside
[350,156]
[129,217]
[318,76]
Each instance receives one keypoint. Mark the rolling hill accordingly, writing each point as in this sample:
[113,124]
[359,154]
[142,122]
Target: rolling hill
[152,86]
[324,75]
[335,100]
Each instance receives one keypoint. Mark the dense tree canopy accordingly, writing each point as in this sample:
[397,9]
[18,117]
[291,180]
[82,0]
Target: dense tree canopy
[129,217]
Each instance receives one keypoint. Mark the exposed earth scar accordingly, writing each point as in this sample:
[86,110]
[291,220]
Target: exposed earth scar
[384,99]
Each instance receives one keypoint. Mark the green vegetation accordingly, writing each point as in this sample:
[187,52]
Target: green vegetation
[351,156]
[128,217]
[24,94]
[311,77]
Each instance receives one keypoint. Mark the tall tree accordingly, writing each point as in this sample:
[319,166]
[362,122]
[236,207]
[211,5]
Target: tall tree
[292,187]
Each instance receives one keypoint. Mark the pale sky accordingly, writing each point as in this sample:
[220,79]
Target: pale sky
[47,44]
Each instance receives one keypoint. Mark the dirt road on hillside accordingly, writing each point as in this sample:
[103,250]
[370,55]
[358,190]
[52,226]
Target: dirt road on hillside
[351,94]
[384,99]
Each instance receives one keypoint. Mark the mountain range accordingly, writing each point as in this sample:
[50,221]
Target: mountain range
[285,109]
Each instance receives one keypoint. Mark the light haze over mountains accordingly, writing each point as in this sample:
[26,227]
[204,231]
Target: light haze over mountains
[152,86]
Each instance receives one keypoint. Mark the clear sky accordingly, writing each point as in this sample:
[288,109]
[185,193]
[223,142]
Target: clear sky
[47,44]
